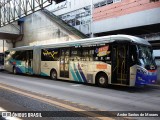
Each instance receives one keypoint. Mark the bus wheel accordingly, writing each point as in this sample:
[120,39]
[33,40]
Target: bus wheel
[102,80]
[53,74]
[14,70]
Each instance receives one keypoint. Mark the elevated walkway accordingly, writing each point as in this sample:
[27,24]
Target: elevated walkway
[11,36]
[64,25]
[11,33]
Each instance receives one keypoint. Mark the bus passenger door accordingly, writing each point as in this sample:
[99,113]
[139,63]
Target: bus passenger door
[29,62]
[64,62]
[120,67]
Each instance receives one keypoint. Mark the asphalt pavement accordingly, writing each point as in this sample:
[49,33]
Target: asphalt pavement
[114,98]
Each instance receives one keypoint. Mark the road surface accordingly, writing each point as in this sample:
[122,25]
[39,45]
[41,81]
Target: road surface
[113,98]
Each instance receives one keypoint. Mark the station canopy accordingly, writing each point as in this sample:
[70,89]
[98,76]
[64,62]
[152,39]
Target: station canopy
[12,10]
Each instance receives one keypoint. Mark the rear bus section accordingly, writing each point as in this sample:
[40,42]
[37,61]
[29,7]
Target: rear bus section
[19,61]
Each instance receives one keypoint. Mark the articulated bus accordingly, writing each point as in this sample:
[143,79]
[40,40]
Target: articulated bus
[116,59]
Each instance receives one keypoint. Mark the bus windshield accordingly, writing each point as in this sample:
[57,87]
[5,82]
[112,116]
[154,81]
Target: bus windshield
[146,56]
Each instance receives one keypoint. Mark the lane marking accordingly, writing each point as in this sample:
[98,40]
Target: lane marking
[91,114]
[8,118]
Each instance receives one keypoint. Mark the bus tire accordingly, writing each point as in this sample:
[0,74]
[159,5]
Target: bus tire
[102,80]
[14,70]
[53,74]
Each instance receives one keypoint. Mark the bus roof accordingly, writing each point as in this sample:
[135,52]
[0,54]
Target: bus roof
[98,40]
[88,41]
[22,48]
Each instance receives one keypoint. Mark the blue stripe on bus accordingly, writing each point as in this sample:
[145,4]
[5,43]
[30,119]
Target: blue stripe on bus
[19,67]
[73,74]
[23,69]
[18,70]
[43,74]
[30,70]
[82,74]
[77,73]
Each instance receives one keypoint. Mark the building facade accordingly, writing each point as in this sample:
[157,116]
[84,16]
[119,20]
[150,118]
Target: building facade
[105,17]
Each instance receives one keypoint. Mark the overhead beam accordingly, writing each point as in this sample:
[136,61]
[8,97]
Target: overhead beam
[10,36]
[12,10]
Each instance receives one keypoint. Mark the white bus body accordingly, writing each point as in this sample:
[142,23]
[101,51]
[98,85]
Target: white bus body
[116,59]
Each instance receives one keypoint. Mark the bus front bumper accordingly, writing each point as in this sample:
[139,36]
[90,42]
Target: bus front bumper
[144,79]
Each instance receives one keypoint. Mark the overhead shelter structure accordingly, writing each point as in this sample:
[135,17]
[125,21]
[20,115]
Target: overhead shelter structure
[14,10]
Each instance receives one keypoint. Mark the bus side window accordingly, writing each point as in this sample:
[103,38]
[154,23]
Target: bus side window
[19,55]
[75,54]
[88,53]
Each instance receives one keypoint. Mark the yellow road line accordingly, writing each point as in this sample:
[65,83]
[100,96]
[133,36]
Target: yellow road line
[57,103]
